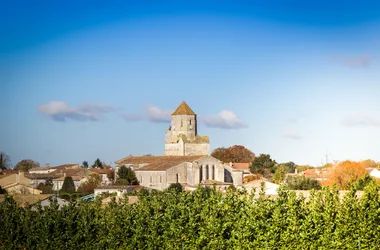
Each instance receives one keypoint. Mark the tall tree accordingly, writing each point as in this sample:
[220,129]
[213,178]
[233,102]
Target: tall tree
[27,164]
[97,164]
[4,161]
[84,164]
[127,174]
[93,181]
[236,153]
[68,185]
[262,164]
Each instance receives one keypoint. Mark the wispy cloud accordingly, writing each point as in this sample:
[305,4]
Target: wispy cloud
[156,114]
[358,61]
[360,121]
[61,112]
[292,134]
[225,119]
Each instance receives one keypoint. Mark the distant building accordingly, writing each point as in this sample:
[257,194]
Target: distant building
[186,159]
[182,136]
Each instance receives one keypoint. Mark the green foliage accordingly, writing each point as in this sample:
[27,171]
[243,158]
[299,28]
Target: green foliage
[122,182]
[84,164]
[301,183]
[68,185]
[363,182]
[127,174]
[93,181]
[46,187]
[202,219]
[263,164]
[280,173]
[177,187]
[4,161]
[25,165]
[97,164]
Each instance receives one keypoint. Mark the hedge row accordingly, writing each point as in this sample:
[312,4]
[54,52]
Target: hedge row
[203,219]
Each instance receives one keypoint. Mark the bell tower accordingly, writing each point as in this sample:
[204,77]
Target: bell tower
[182,136]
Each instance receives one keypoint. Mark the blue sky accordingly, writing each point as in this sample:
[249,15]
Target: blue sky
[91,79]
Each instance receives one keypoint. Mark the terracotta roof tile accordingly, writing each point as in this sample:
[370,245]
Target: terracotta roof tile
[183,109]
[241,165]
[160,163]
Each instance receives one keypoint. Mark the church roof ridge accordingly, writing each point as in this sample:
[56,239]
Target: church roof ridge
[183,109]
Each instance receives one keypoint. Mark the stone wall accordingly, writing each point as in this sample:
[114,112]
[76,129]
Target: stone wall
[180,172]
[152,179]
[197,148]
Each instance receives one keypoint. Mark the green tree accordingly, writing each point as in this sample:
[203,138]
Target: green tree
[93,181]
[301,183]
[262,164]
[97,164]
[84,164]
[2,191]
[27,164]
[68,185]
[280,173]
[46,187]
[236,153]
[4,161]
[361,183]
[122,182]
[177,187]
[127,174]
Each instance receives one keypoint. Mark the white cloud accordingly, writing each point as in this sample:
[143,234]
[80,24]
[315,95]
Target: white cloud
[156,114]
[61,111]
[225,119]
[360,121]
[292,134]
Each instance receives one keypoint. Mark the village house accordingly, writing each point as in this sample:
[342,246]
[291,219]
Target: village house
[17,183]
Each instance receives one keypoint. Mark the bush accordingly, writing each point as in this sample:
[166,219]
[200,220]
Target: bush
[122,182]
[301,183]
[68,185]
[177,187]
[202,219]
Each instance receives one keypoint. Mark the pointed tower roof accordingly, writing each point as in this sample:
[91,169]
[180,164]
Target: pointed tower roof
[183,109]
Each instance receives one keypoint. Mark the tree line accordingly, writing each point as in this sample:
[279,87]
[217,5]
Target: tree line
[203,219]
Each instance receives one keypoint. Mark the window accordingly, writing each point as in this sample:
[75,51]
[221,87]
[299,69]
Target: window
[213,172]
[160,179]
[207,173]
[176,178]
[200,174]
[181,123]
[151,178]
[140,179]
[190,122]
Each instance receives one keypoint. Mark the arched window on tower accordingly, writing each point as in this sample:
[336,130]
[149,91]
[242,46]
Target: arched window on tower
[200,174]
[213,172]
[207,173]
[190,126]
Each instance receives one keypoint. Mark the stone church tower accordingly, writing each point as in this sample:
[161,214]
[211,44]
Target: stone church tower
[182,137]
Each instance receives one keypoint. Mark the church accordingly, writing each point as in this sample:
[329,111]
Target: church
[186,158]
